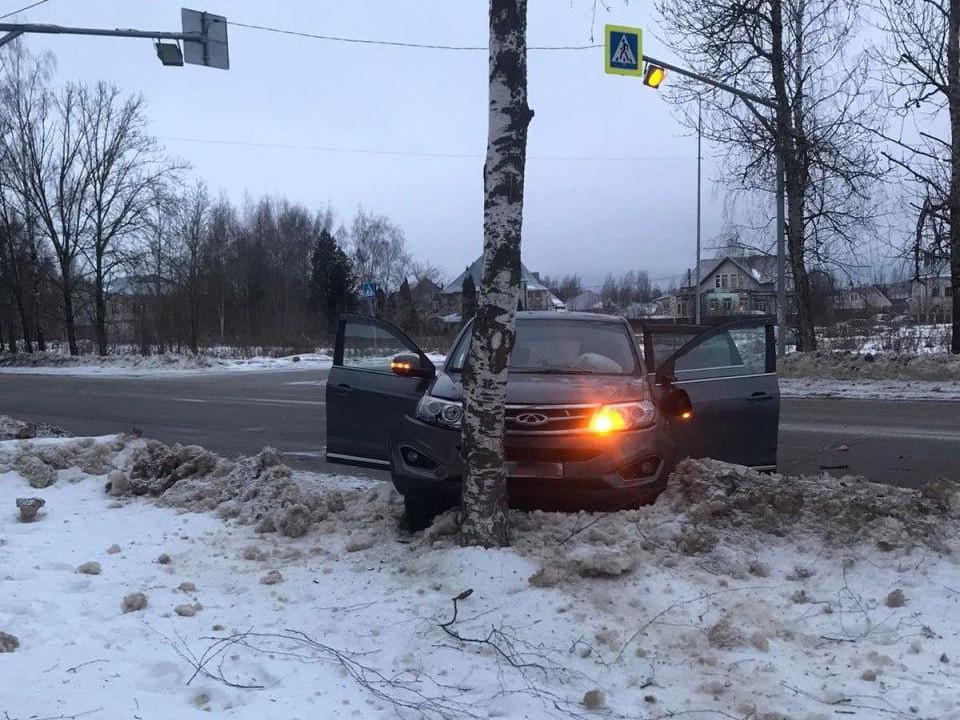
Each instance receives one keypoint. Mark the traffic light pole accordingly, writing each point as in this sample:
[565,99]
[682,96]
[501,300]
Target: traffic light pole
[750,100]
[203,37]
[15,30]
[699,157]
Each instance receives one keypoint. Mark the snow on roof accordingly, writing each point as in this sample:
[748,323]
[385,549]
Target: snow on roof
[476,272]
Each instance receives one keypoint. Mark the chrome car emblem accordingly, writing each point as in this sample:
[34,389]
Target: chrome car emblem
[532,419]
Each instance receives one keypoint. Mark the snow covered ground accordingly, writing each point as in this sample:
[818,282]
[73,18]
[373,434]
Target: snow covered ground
[735,596]
[165,365]
[869,389]
[897,336]
[882,376]
[154,365]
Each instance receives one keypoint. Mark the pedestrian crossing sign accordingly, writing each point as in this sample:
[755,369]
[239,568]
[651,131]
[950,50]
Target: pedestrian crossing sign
[623,50]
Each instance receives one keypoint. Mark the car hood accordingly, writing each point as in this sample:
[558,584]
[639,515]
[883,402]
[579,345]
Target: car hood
[536,389]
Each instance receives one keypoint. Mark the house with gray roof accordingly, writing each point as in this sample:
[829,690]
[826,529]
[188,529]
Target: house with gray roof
[534,295]
[731,286]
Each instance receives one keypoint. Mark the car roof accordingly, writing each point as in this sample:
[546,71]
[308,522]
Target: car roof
[566,315]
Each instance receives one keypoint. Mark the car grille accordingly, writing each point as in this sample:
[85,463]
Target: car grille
[528,420]
[541,454]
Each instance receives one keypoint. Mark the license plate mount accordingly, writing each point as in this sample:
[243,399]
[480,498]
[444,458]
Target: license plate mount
[534,469]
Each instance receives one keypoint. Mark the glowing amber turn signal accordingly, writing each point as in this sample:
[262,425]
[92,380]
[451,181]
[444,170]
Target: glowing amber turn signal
[607,420]
[654,76]
[686,415]
[400,366]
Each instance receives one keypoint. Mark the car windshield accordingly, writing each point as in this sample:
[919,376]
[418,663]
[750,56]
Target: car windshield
[564,347]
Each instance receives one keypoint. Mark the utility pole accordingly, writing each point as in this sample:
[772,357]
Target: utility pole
[699,159]
[781,262]
[749,99]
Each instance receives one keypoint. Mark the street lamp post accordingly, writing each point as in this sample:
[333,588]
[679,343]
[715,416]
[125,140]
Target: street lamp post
[699,161]
[750,100]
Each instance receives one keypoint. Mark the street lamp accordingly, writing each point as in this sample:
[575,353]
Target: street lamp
[656,71]
[654,75]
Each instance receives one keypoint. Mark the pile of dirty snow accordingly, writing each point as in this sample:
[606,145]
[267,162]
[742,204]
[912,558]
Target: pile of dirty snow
[870,376]
[735,595]
[39,462]
[713,496]
[259,490]
[13,429]
[840,365]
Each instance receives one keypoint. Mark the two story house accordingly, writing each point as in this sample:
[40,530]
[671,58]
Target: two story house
[731,286]
[931,298]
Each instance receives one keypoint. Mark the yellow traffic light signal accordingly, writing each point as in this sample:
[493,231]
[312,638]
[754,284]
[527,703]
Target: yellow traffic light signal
[654,76]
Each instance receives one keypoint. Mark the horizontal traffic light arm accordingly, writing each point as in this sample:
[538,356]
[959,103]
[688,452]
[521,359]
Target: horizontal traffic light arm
[710,81]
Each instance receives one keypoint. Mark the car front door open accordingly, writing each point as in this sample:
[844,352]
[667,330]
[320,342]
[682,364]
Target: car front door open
[365,396]
[729,373]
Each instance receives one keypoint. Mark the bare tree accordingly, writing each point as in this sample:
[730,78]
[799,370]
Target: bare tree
[421,270]
[484,491]
[193,225]
[795,52]
[13,267]
[223,223]
[157,261]
[122,163]
[922,60]
[379,250]
[23,95]
[57,186]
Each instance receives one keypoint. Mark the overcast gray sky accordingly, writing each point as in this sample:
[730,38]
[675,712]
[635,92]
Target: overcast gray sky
[611,174]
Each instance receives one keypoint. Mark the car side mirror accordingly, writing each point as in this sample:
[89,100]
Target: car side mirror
[677,405]
[410,365]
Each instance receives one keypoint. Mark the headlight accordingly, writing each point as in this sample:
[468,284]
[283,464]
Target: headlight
[436,411]
[623,416]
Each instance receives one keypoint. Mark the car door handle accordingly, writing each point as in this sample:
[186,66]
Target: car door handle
[760,397]
[342,389]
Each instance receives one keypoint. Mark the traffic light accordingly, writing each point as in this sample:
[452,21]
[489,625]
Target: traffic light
[654,76]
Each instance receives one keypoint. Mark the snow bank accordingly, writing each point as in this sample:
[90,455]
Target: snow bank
[12,429]
[139,365]
[716,496]
[869,376]
[870,389]
[896,335]
[736,595]
[881,366]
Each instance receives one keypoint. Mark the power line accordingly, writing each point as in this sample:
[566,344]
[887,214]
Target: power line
[320,148]
[404,153]
[24,9]
[395,43]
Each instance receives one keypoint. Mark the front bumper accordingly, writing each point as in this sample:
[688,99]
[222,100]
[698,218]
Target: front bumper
[549,472]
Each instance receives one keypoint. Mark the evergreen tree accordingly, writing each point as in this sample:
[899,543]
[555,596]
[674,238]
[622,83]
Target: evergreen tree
[331,281]
[468,303]
[406,312]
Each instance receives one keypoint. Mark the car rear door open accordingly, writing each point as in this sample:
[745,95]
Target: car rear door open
[729,372]
[365,396]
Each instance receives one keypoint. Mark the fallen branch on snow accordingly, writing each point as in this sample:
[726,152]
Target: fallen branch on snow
[400,693]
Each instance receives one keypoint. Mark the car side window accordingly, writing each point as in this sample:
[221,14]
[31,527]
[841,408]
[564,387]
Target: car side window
[717,351]
[371,346]
[666,344]
[751,344]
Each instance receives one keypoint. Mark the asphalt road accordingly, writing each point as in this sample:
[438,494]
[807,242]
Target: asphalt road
[897,442]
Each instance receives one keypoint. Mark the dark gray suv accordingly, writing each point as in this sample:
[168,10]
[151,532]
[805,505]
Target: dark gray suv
[591,421]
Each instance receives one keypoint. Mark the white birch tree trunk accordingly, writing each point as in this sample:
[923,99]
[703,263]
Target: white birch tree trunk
[484,495]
